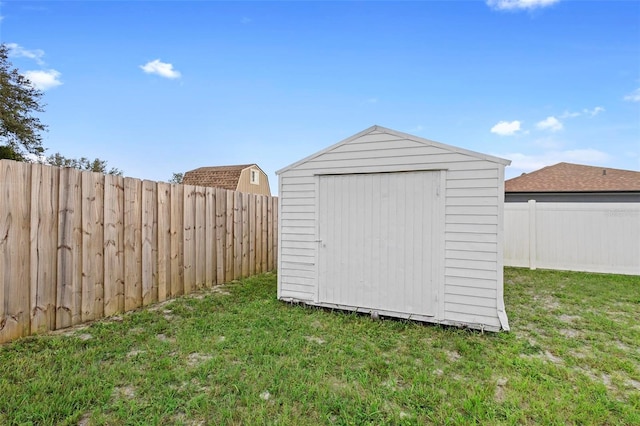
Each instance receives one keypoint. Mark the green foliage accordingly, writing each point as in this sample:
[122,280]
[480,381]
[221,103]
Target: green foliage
[236,355]
[82,163]
[19,100]
[177,178]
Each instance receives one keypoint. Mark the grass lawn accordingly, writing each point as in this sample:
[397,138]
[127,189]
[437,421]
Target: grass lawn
[235,355]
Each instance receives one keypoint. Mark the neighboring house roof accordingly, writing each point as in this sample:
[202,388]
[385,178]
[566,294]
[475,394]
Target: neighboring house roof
[568,177]
[225,177]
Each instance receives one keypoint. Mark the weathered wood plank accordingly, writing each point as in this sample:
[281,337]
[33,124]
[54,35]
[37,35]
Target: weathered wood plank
[69,291]
[113,245]
[44,231]
[264,238]
[189,238]
[276,235]
[200,237]
[245,235]
[177,240]
[221,222]
[258,222]
[132,243]
[210,237]
[269,234]
[149,243]
[15,221]
[228,257]
[92,246]
[237,235]
[164,241]
[252,234]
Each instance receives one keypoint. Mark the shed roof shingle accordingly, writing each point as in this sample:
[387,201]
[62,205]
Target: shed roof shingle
[568,177]
[225,177]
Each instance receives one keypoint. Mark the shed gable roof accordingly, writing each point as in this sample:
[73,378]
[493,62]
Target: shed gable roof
[380,129]
[225,177]
[568,177]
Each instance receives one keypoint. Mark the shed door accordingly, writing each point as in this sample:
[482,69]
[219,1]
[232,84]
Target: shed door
[377,242]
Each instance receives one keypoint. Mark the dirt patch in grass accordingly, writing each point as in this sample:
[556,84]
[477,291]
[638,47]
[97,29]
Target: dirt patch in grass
[569,332]
[499,394]
[452,356]
[569,319]
[164,338]
[315,339]
[124,392]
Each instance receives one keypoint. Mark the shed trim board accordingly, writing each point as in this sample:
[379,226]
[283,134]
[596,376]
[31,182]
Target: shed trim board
[449,196]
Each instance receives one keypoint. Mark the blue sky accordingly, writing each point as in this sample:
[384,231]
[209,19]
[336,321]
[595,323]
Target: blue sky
[156,87]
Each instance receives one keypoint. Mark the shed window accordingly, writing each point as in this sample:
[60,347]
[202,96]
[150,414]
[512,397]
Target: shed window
[255,177]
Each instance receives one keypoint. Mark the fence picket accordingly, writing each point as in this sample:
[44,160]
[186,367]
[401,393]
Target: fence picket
[200,237]
[228,256]
[69,292]
[92,246]
[149,222]
[177,243]
[132,243]
[14,251]
[237,235]
[164,241]
[221,216]
[113,245]
[252,233]
[189,238]
[44,224]
[210,237]
[263,238]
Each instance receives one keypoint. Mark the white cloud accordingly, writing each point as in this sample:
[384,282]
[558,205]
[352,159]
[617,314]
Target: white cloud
[519,4]
[568,114]
[506,128]
[524,163]
[633,96]
[44,79]
[597,110]
[162,69]
[18,51]
[550,123]
[585,111]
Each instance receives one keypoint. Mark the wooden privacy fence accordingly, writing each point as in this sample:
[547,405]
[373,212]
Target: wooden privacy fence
[77,246]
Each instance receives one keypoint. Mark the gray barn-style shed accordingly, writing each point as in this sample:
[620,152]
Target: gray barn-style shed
[396,224]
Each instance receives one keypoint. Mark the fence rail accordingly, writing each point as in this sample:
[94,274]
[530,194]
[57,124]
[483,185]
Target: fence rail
[592,237]
[77,246]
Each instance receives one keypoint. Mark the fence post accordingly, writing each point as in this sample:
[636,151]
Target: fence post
[532,234]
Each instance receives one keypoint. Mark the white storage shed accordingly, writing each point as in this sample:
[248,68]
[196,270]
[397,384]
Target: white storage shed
[396,224]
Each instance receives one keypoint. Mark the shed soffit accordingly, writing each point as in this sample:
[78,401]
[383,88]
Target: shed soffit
[396,133]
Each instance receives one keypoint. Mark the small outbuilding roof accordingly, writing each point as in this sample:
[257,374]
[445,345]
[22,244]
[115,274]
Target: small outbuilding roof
[225,177]
[407,136]
[568,177]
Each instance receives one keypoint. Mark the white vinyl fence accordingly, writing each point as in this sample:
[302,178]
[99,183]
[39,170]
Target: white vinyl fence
[593,237]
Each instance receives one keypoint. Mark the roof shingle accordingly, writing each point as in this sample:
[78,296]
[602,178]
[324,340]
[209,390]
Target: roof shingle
[225,177]
[568,177]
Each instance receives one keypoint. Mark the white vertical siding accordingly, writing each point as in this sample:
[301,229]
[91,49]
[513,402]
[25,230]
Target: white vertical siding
[467,260]
[592,237]
[377,234]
